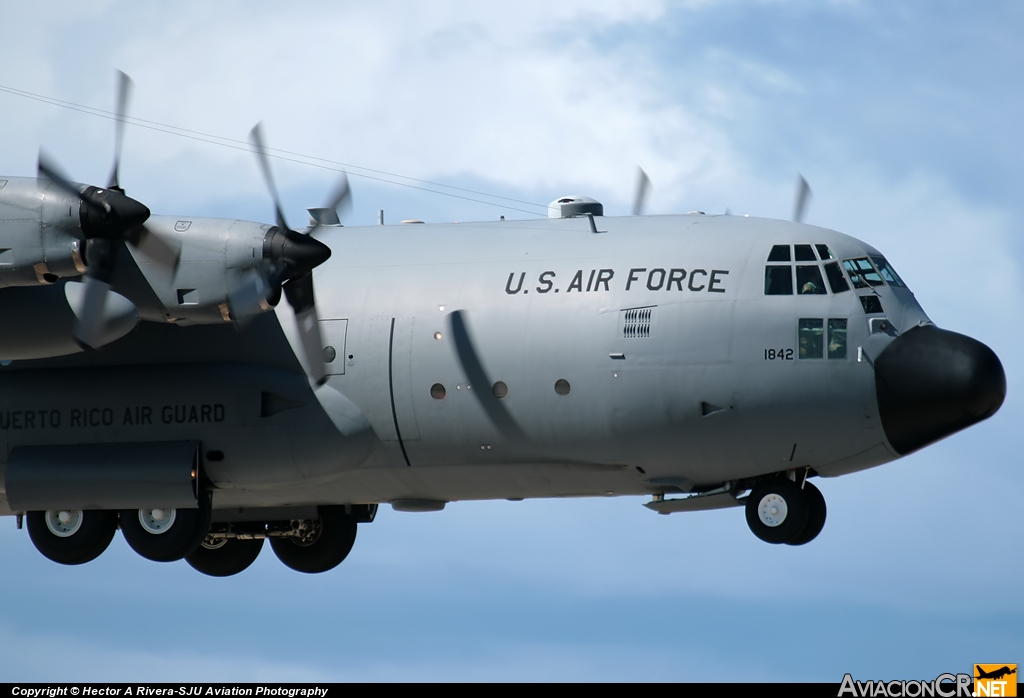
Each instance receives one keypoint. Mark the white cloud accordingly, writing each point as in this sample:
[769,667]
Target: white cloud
[537,99]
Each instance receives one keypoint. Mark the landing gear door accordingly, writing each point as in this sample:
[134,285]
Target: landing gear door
[333,333]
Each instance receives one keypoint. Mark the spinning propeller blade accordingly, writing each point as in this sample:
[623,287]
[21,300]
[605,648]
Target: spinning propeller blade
[803,195]
[256,138]
[643,185]
[341,198]
[124,88]
[292,258]
[101,257]
[48,169]
[108,219]
[299,292]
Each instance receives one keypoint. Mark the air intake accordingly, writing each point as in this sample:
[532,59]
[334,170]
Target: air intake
[636,322]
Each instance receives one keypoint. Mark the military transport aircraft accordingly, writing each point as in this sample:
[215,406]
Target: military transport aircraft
[153,382]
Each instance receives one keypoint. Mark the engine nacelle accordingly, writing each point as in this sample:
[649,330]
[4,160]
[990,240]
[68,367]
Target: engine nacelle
[216,256]
[41,236]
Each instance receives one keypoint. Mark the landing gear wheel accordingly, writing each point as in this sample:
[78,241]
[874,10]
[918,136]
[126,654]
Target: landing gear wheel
[166,535]
[223,557]
[72,536]
[815,516]
[777,510]
[328,543]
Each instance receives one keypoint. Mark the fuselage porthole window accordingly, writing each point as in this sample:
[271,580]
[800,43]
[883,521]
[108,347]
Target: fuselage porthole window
[779,253]
[778,280]
[837,338]
[808,280]
[810,338]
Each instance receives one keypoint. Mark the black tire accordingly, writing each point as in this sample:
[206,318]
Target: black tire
[92,535]
[326,551]
[777,510]
[815,516]
[230,557]
[180,538]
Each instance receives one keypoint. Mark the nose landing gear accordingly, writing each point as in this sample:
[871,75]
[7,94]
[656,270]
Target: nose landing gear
[781,511]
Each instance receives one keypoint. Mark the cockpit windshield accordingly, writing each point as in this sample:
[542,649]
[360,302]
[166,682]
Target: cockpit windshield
[864,274]
[887,272]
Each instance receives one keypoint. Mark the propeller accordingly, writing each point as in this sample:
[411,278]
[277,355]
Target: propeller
[108,219]
[803,195]
[124,89]
[643,185]
[341,199]
[291,258]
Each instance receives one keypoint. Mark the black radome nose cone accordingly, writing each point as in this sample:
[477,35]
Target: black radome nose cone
[932,383]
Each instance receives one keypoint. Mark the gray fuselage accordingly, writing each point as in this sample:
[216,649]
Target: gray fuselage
[511,359]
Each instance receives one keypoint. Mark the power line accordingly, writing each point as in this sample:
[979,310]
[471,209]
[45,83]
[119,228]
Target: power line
[280,154]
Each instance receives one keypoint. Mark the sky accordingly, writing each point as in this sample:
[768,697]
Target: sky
[905,119]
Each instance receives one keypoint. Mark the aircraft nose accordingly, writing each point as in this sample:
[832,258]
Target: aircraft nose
[931,383]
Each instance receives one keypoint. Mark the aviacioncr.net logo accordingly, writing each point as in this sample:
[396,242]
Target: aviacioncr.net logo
[943,686]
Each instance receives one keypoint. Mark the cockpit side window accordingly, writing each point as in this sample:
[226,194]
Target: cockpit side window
[808,280]
[835,278]
[887,272]
[778,280]
[856,278]
[804,253]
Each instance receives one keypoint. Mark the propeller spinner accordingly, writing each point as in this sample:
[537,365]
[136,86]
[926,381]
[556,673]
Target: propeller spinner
[292,256]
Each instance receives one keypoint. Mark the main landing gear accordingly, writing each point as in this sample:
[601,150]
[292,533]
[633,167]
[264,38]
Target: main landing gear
[74,537]
[321,545]
[307,545]
[220,556]
[166,535]
[782,511]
